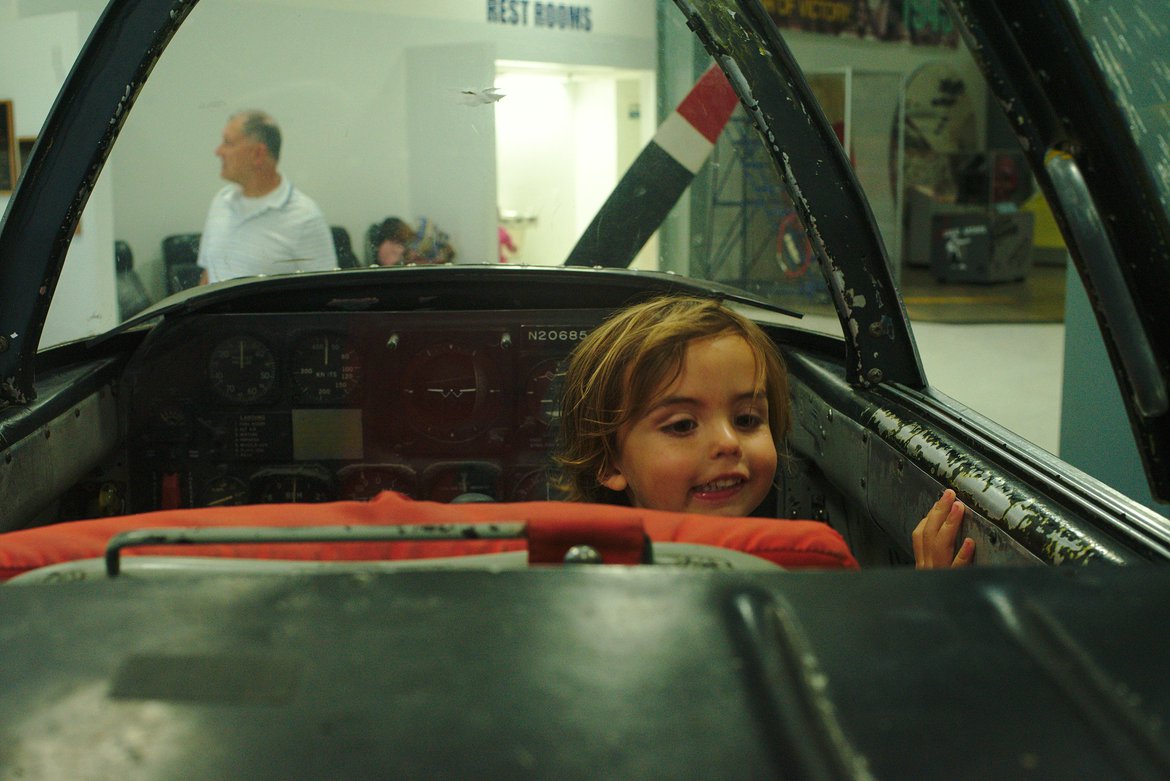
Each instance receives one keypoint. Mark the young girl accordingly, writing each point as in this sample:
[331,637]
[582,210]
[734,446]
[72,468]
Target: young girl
[681,404]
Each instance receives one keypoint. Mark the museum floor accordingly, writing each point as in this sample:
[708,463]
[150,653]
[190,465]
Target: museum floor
[998,349]
[1039,298]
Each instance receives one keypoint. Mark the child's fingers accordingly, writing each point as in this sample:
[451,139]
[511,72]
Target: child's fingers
[938,513]
[966,553]
[934,537]
[943,543]
[916,539]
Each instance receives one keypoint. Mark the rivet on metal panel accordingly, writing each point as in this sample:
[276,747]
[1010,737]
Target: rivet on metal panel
[582,554]
[876,328]
[874,376]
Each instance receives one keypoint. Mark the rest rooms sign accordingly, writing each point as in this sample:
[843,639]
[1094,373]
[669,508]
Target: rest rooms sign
[533,13]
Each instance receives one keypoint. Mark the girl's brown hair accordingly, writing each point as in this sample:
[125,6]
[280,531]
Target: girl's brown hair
[613,376]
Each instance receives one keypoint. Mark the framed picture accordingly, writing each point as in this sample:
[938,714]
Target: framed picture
[8,163]
[24,145]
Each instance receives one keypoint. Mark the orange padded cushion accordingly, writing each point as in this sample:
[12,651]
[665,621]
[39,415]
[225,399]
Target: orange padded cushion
[792,544]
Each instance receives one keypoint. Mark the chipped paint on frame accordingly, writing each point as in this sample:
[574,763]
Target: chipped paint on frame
[1023,516]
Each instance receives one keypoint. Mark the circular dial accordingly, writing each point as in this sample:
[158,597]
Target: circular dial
[242,369]
[166,421]
[224,490]
[451,481]
[540,397]
[324,368]
[531,486]
[280,487]
[452,392]
[365,481]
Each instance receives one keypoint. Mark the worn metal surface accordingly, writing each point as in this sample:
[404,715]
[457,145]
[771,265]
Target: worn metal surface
[243,535]
[44,463]
[586,672]
[1018,510]
[895,464]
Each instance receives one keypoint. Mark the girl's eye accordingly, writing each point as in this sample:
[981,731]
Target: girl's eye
[749,420]
[684,426]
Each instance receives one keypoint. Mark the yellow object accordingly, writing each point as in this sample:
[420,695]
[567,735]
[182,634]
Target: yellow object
[1045,233]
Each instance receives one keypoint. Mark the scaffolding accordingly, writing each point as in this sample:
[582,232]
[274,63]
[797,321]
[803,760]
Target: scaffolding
[752,236]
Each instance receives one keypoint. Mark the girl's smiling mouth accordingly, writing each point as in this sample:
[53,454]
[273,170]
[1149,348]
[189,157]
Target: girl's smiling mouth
[719,488]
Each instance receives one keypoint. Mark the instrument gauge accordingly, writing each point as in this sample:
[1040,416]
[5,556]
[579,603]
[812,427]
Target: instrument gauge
[324,368]
[365,481]
[540,396]
[532,485]
[224,490]
[451,481]
[286,486]
[452,392]
[242,369]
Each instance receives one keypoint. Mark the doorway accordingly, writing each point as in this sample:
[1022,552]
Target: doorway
[564,137]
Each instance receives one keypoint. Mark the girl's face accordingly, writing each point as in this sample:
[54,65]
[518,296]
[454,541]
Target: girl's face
[703,445]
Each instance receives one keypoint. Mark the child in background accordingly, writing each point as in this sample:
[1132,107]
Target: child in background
[682,404]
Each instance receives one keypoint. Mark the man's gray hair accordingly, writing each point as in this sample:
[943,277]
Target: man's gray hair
[263,128]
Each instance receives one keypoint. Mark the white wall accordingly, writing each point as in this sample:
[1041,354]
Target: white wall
[342,109]
[595,139]
[346,142]
[454,184]
[536,177]
[36,53]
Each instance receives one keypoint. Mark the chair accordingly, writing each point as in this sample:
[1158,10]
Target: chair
[373,234]
[132,296]
[180,253]
[345,255]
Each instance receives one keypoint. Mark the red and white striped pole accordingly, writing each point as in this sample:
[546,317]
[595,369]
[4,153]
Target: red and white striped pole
[658,177]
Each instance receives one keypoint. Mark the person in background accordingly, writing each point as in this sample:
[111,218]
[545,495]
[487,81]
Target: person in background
[507,245]
[681,404]
[393,242]
[431,245]
[260,223]
[391,238]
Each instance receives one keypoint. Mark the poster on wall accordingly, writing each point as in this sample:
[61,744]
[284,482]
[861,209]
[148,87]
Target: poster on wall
[938,132]
[24,145]
[921,22]
[7,148]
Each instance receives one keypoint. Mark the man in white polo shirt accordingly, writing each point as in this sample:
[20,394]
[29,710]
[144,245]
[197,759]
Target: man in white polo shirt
[260,223]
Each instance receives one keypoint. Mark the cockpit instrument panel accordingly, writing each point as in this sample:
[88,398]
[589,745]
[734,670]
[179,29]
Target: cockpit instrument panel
[243,408]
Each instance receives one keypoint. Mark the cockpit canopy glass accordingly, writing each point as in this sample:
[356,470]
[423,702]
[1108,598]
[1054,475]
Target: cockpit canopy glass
[484,133]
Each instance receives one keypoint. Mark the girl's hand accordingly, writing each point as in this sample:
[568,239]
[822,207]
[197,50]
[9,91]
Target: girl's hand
[934,537]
